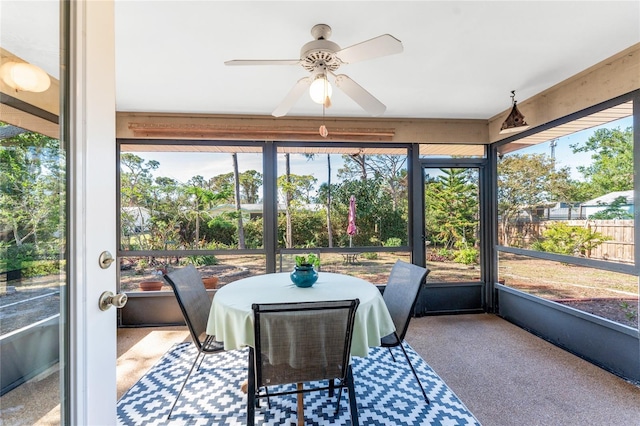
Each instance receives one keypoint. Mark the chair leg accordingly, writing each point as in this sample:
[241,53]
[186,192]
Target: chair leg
[183,384]
[339,396]
[391,352]
[266,392]
[251,391]
[353,405]
[414,373]
[207,341]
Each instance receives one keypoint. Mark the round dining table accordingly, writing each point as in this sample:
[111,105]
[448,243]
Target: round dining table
[231,316]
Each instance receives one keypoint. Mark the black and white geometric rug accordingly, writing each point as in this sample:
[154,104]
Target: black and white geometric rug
[386,391]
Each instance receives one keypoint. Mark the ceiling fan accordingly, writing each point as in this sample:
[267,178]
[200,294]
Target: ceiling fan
[321,58]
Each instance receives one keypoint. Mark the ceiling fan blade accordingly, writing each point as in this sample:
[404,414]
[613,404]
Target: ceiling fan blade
[263,62]
[363,98]
[374,48]
[292,97]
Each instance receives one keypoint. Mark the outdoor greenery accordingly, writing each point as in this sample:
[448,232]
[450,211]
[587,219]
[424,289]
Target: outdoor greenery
[525,182]
[529,181]
[571,240]
[613,211]
[32,196]
[611,168]
[161,213]
[451,212]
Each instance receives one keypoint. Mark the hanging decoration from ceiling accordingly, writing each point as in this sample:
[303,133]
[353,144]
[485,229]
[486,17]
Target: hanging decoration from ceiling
[515,120]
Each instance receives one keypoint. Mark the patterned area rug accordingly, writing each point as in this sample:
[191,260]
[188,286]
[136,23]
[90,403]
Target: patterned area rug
[386,391]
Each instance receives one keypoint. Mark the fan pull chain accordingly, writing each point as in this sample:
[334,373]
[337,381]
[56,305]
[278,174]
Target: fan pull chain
[323,129]
[327,103]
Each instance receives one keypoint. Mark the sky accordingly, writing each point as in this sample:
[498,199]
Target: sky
[184,166]
[564,153]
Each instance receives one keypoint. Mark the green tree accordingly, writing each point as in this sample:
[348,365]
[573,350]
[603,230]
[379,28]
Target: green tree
[307,227]
[564,189]
[391,169]
[165,213]
[250,182]
[200,204]
[524,183]
[452,209]
[354,167]
[298,187]
[611,168]
[613,211]
[221,183]
[31,169]
[324,194]
[136,178]
[295,190]
[287,189]
[376,218]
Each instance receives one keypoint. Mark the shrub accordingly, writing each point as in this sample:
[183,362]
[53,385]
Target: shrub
[613,211]
[435,257]
[370,255]
[570,240]
[40,268]
[393,242]
[467,256]
[18,256]
[222,231]
[204,260]
[447,254]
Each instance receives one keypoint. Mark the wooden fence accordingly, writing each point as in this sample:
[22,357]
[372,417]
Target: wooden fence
[619,248]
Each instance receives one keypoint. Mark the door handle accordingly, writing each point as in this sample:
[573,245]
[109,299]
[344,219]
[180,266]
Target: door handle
[108,299]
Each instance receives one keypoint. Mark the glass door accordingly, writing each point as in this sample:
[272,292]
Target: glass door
[452,225]
[33,220]
[57,172]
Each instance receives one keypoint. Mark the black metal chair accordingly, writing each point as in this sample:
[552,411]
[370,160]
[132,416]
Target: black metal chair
[400,296]
[298,343]
[195,305]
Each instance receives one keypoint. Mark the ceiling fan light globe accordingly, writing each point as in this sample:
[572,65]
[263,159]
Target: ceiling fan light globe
[23,76]
[320,90]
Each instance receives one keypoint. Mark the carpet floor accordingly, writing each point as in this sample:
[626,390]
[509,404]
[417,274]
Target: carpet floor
[386,391]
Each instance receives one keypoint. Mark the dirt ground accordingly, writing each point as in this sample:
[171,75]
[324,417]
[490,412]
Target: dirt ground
[607,294]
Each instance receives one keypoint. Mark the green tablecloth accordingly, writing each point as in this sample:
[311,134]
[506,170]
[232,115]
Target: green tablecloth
[231,318]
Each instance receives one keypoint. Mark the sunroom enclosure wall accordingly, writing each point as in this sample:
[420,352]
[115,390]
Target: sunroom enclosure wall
[386,181]
[163,218]
[555,278]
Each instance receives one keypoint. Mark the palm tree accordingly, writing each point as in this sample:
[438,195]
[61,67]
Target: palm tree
[328,205]
[236,178]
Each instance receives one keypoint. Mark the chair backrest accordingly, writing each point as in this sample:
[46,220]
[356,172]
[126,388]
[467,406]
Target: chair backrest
[401,293]
[193,300]
[301,342]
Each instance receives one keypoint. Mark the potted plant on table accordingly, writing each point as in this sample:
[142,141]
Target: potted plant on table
[304,274]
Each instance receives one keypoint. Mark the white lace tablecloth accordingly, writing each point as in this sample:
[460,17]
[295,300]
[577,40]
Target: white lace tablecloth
[231,317]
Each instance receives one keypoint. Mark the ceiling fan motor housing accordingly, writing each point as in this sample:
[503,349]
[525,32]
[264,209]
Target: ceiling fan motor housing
[318,52]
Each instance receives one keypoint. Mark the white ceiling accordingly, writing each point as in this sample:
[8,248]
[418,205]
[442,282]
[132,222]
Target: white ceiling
[460,59]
